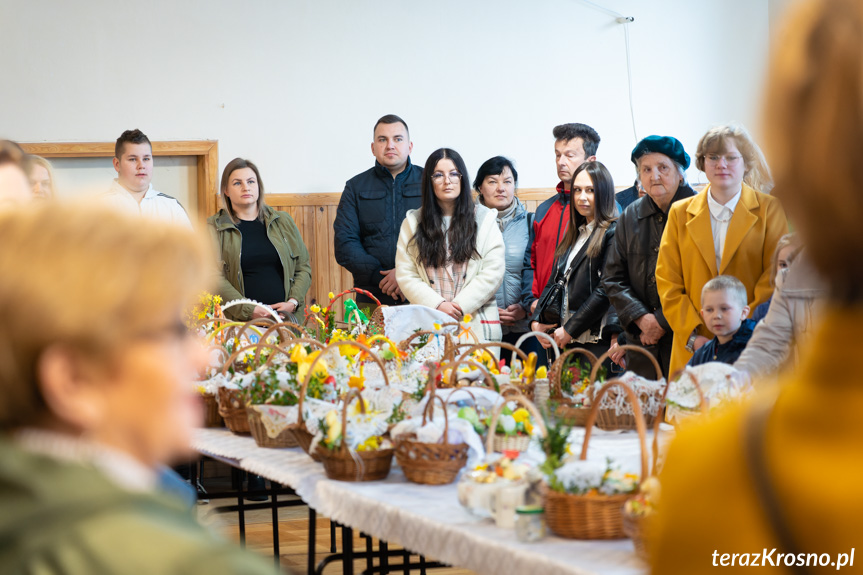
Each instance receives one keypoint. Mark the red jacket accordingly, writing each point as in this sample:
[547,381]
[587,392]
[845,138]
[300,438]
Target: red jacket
[549,227]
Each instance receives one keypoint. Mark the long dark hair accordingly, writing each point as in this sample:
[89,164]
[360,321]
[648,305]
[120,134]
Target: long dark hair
[431,243]
[604,210]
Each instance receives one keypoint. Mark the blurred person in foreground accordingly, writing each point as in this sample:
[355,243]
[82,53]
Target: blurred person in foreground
[96,399]
[782,472]
[41,176]
[14,186]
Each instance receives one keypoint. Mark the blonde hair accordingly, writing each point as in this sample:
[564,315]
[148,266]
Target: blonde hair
[729,284]
[31,161]
[756,174]
[814,135]
[88,278]
[788,240]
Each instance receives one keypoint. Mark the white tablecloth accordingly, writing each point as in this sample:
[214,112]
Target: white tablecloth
[428,519]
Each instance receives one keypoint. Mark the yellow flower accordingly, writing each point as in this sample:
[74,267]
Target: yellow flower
[299,353]
[521,415]
[541,372]
[334,427]
[331,295]
[528,427]
[325,310]
[467,318]
[304,365]
[356,381]
[201,389]
[436,326]
[315,308]
[373,443]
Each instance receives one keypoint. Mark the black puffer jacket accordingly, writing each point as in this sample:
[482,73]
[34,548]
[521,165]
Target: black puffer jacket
[586,296]
[630,269]
[370,214]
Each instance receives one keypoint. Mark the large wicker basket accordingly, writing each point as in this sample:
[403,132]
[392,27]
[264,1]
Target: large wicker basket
[498,442]
[566,411]
[526,388]
[431,463]
[303,436]
[232,408]
[285,438]
[608,419]
[342,464]
[594,516]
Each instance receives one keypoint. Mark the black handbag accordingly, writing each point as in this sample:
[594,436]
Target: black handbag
[549,307]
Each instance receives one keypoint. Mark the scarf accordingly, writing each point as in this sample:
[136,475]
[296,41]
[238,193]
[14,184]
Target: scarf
[507,214]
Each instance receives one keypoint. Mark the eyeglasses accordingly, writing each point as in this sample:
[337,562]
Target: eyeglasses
[453,177]
[729,158]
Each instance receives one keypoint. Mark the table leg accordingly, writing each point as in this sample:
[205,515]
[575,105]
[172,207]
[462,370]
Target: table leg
[348,550]
[407,562]
[241,511]
[313,527]
[422,565]
[369,551]
[273,498]
[333,547]
[383,548]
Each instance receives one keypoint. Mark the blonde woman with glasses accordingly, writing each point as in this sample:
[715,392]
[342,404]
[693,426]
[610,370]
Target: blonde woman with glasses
[730,228]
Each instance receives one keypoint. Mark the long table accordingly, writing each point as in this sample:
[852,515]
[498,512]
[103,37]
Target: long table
[428,520]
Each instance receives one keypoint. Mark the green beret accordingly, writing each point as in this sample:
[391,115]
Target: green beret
[667,145]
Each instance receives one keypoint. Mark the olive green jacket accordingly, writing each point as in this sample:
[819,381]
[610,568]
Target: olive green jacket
[286,238]
[65,518]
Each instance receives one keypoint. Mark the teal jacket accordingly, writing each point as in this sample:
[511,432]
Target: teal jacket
[284,234]
[64,518]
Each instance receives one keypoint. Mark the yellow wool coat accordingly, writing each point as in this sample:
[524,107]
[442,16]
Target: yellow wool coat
[687,259]
[813,445]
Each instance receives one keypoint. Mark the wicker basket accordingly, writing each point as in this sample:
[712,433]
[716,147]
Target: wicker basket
[342,464]
[285,438]
[211,411]
[303,436]
[594,516]
[567,412]
[232,408]
[635,527]
[285,331]
[526,388]
[376,319]
[608,419]
[431,463]
[498,442]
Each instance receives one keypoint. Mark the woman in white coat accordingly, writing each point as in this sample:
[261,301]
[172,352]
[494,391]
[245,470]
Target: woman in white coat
[450,254]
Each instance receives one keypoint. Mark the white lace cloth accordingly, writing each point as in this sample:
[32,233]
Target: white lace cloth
[429,519]
[401,321]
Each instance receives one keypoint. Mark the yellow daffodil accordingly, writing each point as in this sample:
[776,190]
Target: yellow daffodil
[331,295]
[315,308]
[356,381]
[467,318]
[373,443]
[304,365]
[298,354]
[521,415]
[201,389]
[324,310]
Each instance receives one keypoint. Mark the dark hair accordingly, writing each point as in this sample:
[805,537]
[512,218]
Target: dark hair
[604,210]
[11,153]
[429,238]
[391,119]
[239,164]
[132,137]
[589,136]
[493,167]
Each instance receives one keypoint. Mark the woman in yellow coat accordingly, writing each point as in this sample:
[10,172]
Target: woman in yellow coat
[730,228]
[789,482]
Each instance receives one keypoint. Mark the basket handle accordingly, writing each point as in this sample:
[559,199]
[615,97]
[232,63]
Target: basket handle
[336,345]
[489,345]
[258,347]
[355,290]
[284,327]
[457,363]
[527,404]
[429,411]
[405,343]
[639,421]
[628,347]
[542,335]
[557,369]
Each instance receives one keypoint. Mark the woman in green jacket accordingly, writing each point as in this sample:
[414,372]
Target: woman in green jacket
[262,256]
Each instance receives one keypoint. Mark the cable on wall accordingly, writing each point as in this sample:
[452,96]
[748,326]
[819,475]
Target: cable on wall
[626,21]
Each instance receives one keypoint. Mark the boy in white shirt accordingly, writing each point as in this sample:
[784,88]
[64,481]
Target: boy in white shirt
[131,190]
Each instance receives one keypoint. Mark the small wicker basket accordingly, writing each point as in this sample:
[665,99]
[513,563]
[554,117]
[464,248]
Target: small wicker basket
[608,419]
[211,411]
[303,436]
[526,388]
[498,442]
[567,411]
[232,408]
[285,438]
[343,464]
[431,463]
[594,516]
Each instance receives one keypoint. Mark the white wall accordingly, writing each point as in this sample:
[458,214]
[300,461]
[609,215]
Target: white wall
[297,85]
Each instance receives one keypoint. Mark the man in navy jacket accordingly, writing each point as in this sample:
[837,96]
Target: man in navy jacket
[371,210]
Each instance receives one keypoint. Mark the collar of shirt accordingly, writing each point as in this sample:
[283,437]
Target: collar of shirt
[120,468]
[117,188]
[722,212]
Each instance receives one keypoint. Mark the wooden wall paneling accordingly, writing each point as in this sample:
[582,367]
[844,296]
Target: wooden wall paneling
[335,270]
[308,231]
[322,257]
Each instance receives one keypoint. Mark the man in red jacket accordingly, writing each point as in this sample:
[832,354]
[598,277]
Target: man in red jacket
[574,144]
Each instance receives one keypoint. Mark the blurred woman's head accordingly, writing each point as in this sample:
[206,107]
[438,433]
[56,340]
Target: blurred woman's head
[729,157]
[495,182]
[92,342]
[814,135]
[591,200]
[14,186]
[41,176]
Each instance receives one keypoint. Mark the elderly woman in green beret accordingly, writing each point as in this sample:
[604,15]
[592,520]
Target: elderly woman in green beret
[630,282]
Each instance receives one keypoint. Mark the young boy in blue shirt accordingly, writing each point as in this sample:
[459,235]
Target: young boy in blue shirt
[724,309]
